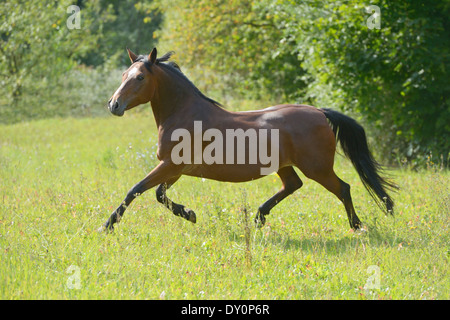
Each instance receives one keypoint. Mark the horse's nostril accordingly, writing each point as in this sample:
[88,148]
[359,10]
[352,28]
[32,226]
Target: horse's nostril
[113,106]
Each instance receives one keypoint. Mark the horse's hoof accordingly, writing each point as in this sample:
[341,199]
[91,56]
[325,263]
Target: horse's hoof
[191,216]
[105,229]
[260,220]
[361,230]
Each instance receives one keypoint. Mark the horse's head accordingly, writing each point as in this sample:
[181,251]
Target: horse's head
[137,84]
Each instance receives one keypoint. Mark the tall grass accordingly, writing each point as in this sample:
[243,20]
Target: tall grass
[61,178]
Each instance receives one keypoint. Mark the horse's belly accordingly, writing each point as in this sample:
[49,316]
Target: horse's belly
[230,172]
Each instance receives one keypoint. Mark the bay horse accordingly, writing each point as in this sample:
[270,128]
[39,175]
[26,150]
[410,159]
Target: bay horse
[307,140]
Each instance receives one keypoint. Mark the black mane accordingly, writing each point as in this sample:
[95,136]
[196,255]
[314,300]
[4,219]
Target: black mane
[175,69]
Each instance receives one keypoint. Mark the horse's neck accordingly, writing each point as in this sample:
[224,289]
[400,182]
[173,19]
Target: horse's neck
[183,111]
[167,101]
[173,100]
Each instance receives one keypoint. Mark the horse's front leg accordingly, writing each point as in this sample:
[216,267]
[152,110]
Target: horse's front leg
[164,171]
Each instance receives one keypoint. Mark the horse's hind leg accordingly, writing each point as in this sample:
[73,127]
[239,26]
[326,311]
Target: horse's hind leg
[341,189]
[177,209]
[346,198]
[291,182]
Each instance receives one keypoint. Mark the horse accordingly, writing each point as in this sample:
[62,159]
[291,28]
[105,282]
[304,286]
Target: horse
[305,137]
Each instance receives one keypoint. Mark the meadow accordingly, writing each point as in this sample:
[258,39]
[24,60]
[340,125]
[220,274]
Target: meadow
[61,178]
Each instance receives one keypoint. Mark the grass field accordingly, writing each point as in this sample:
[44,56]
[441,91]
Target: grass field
[61,178]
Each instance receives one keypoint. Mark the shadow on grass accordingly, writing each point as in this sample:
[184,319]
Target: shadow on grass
[333,243]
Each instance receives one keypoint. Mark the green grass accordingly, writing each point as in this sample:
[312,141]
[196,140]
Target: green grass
[61,178]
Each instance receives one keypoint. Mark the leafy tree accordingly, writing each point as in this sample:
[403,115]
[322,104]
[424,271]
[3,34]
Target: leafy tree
[41,51]
[126,23]
[236,44]
[35,43]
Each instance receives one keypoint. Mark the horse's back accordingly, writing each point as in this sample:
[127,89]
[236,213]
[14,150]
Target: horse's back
[285,114]
[295,121]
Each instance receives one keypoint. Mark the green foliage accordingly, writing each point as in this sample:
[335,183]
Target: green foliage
[36,46]
[126,24]
[82,92]
[43,61]
[238,41]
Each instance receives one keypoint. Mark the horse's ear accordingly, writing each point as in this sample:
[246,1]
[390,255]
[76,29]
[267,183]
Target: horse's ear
[152,56]
[132,56]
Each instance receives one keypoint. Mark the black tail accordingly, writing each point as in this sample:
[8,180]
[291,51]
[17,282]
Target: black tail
[354,144]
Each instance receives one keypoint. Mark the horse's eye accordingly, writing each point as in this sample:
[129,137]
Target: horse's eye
[140,77]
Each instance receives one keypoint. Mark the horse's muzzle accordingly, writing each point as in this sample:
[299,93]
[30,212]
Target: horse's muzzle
[115,108]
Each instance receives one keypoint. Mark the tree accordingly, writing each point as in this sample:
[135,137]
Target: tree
[125,24]
[44,43]
[36,43]
[235,44]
